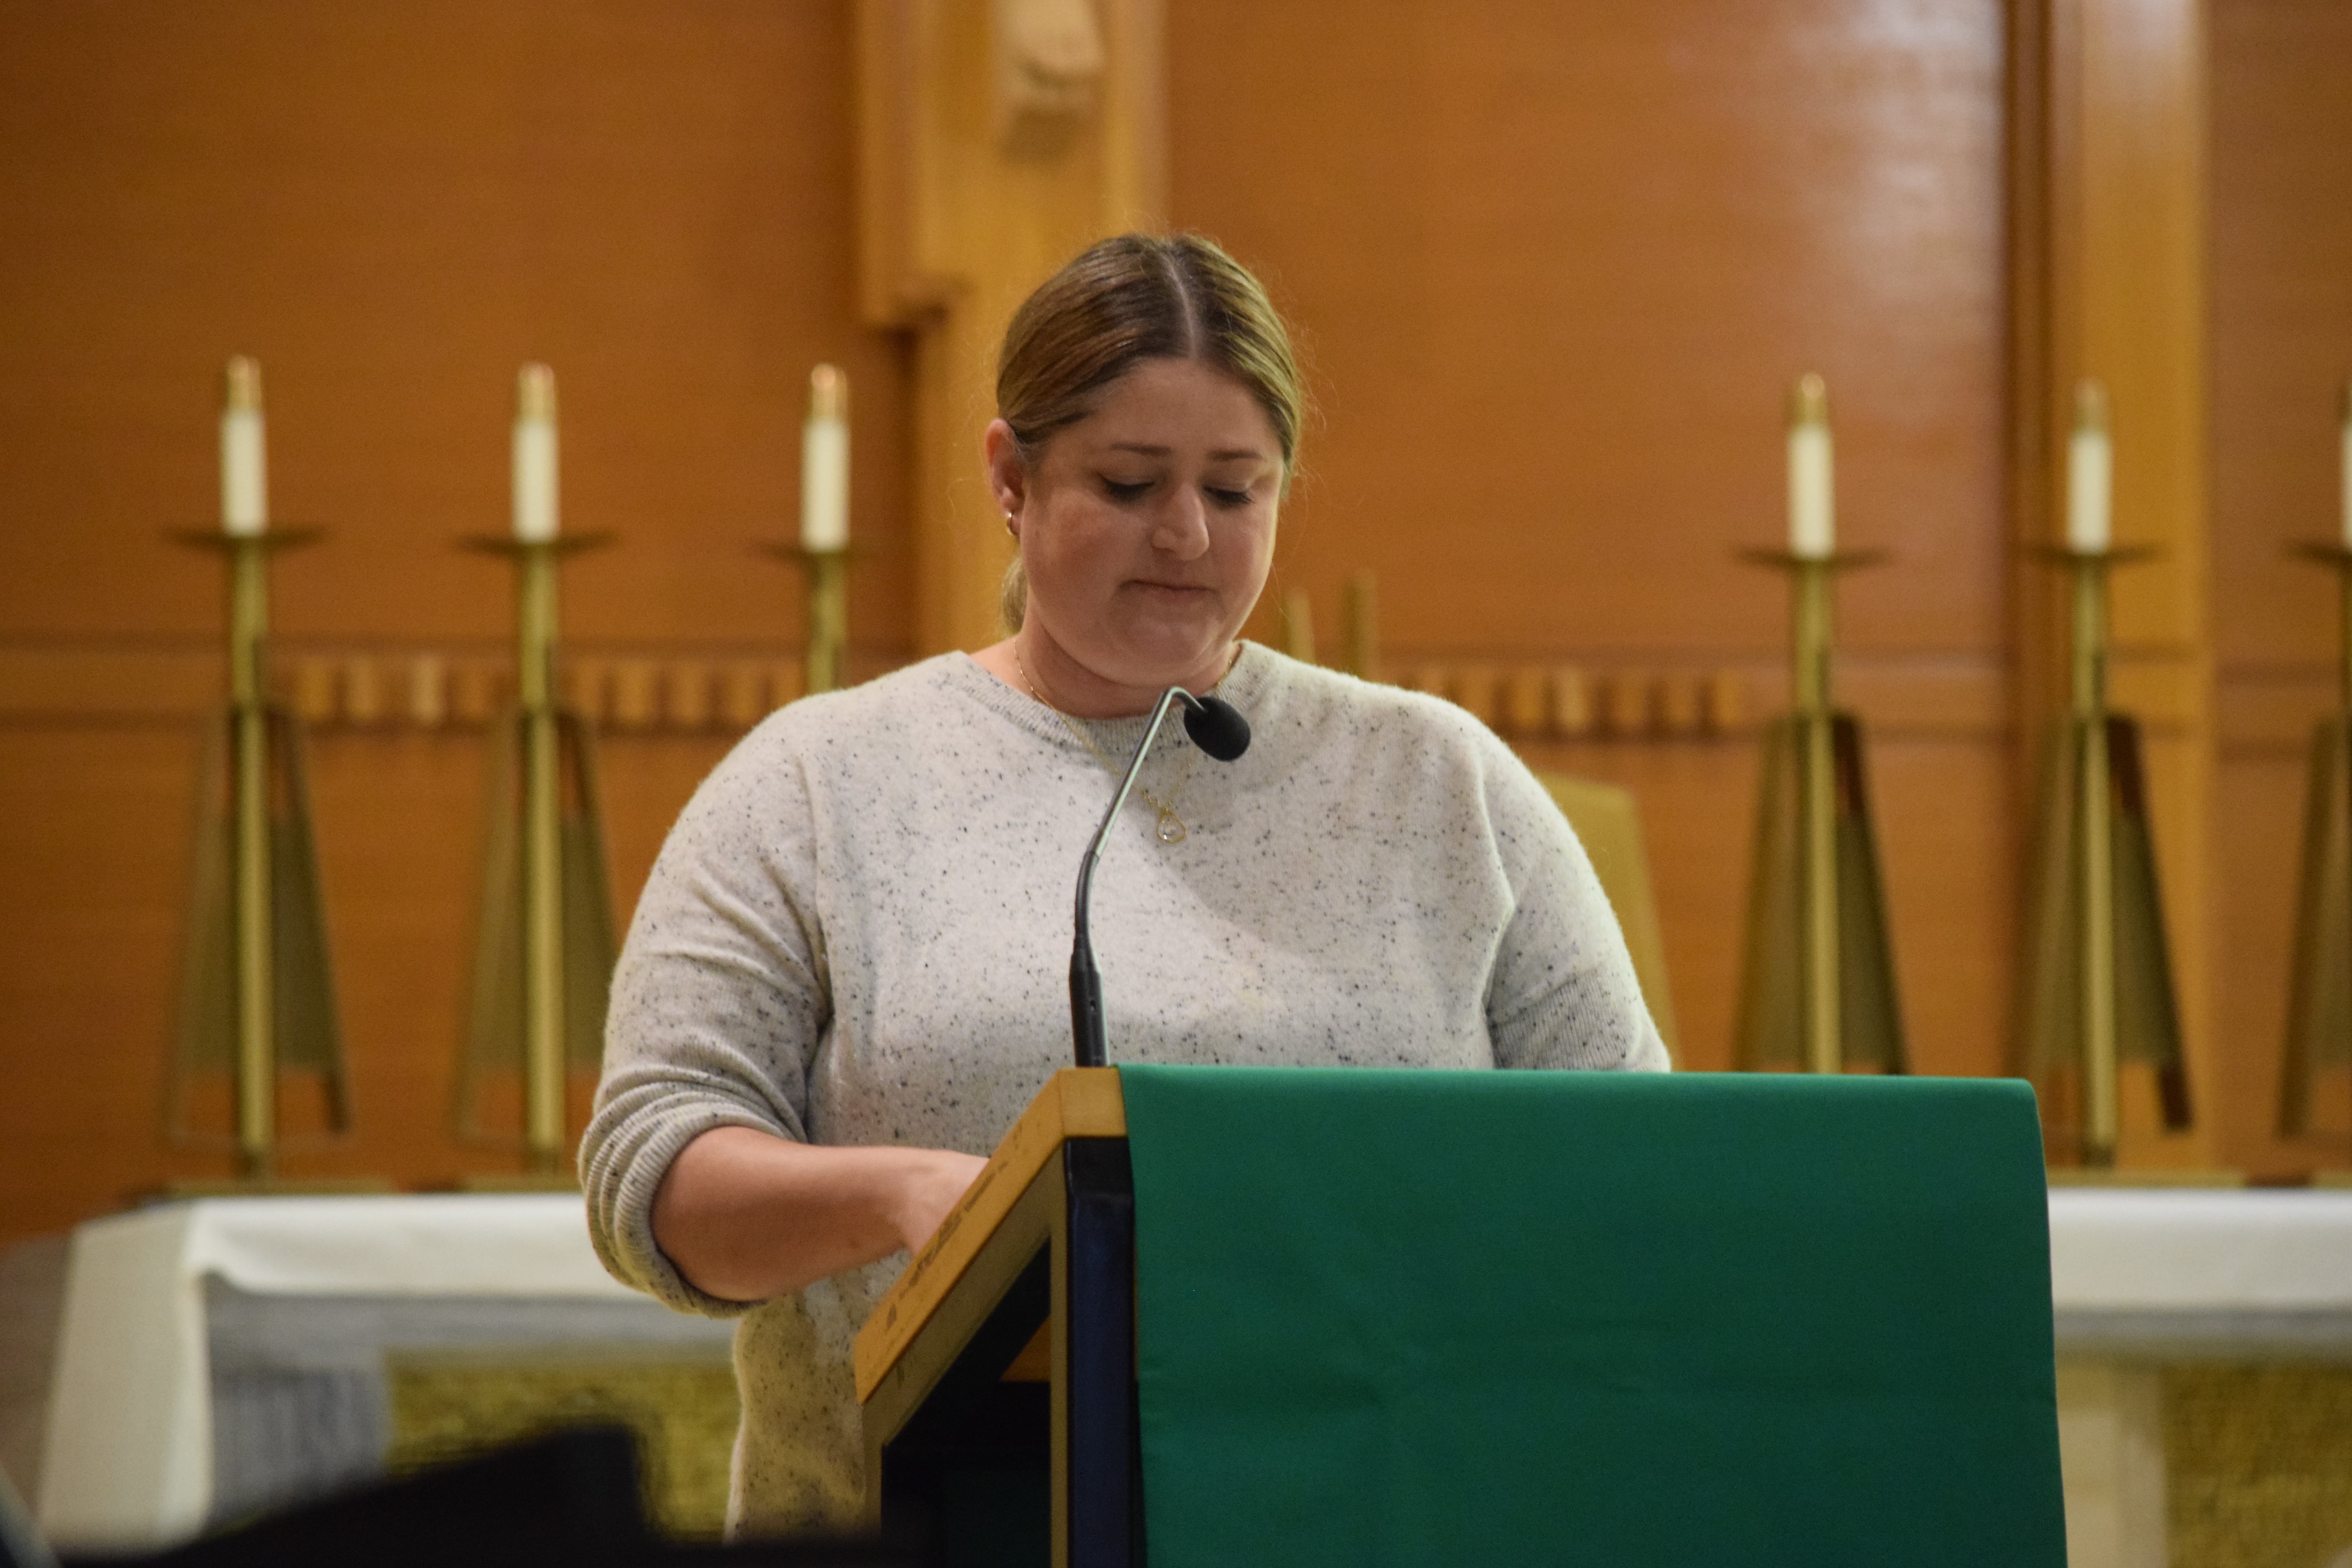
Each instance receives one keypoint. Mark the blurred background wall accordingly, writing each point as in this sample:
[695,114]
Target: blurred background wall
[1554,267]
[391,207]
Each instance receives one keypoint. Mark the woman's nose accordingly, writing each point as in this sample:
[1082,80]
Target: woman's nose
[1182,528]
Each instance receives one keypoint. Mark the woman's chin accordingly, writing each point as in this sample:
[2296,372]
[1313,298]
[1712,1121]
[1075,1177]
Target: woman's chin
[1167,661]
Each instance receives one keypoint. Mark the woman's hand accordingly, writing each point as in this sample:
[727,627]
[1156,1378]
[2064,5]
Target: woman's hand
[932,1185]
[746,1215]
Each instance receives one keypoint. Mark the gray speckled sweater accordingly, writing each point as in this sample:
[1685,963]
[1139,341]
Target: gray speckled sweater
[859,931]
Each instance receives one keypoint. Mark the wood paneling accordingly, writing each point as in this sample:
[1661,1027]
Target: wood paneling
[2107,279]
[2281,314]
[2281,159]
[93,824]
[1554,267]
[973,193]
[393,205]
[390,204]
[93,829]
[1945,840]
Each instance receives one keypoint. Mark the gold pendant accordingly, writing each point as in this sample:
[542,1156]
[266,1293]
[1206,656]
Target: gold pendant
[1171,829]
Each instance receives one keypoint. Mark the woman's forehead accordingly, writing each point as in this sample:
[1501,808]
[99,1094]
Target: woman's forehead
[1165,406]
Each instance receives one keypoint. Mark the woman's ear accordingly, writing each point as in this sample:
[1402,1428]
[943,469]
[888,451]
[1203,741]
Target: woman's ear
[1008,480]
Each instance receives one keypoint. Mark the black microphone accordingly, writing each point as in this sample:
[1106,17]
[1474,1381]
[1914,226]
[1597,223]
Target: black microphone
[1216,727]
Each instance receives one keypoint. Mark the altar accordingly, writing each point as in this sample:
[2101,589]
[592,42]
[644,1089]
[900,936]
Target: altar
[218,1357]
[2204,1345]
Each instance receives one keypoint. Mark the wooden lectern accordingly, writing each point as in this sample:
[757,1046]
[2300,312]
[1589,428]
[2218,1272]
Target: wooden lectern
[1401,1316]
[966,1421]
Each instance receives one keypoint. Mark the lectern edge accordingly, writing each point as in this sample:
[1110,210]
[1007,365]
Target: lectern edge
[1076,1103]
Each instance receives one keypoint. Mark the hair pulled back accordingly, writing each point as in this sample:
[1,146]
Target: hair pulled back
[1124,301]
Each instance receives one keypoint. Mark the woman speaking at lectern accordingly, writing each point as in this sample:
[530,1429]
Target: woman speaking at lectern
[847,976]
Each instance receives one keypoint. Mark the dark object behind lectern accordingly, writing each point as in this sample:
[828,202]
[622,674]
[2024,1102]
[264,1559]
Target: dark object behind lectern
[569,1497]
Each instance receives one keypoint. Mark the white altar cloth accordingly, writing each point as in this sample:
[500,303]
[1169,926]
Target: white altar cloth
[2153,1249]
[2135,1275]
[2171,1274]
[129,1458]
[2144,1279]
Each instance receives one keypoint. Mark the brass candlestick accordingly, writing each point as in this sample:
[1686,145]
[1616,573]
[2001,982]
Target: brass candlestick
[256,989]
[1817,983]
[828,616]
[2097,976]
[2319,1010]
[1359,631]
[1297,614]
[248,721]
[545,947]
[827,576]
[542,865]
[256,995]
[1817,816]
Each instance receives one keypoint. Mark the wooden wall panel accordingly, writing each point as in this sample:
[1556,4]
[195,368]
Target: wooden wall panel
[1945,839]
[2281,160]
[972,196]
[392,204]
[1697,842]
[1555,267]
[92,827]
[1949,846]
[2109,278]
[93,836]
[2282,312]
[2259,833]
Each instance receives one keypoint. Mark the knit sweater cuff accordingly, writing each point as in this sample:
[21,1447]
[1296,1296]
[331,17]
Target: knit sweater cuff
[620,1185]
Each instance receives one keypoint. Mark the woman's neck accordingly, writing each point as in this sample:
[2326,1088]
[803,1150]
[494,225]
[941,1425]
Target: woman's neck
[1033,664]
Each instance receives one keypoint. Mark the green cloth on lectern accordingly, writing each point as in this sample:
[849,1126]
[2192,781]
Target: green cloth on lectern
[1397,1317]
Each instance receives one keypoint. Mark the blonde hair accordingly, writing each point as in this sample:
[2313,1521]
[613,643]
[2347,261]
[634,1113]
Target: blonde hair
[1124,301]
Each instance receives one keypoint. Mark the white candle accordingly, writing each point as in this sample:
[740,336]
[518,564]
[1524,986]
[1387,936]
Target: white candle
[243,464]
[824,462]
[2347,463]
[2090,476]
[1813,490]
[535,510]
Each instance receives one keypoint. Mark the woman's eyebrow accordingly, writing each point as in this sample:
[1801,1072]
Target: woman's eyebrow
[1230,454]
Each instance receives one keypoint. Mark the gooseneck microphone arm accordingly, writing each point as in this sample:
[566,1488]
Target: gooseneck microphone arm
[1220,731]
[1092,1044]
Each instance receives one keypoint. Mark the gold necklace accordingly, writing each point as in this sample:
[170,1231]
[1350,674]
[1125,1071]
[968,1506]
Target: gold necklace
[1169,830]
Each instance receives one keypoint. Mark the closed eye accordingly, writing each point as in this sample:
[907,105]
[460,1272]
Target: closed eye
[1127,493]
[1229,498]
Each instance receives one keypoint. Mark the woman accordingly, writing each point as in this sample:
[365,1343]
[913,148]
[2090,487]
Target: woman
[845,977]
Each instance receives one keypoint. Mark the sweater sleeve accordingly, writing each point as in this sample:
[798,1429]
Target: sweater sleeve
[717,1003]
[1563,993]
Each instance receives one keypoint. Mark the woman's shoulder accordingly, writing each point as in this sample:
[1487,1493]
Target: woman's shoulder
[886,723]
[922,694]
[1336,707]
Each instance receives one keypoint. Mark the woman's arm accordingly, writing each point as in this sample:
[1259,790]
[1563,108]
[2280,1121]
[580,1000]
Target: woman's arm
[1564,993]
[746,1215]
